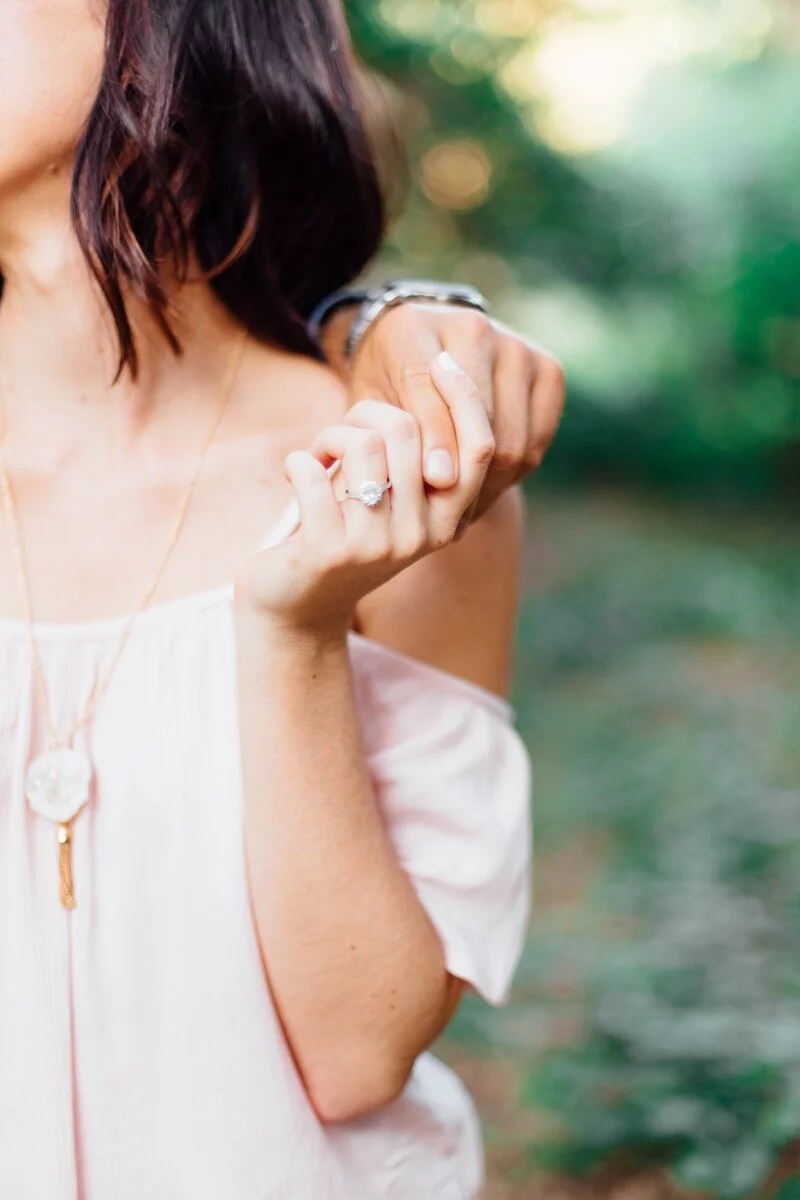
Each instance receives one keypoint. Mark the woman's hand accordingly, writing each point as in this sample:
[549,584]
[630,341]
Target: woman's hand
[520,385]
[345,550]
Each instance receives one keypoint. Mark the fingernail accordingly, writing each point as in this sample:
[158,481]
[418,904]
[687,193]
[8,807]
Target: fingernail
[440,469]
[448,363]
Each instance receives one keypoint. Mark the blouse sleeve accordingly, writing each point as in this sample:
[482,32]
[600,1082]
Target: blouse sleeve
[452,778]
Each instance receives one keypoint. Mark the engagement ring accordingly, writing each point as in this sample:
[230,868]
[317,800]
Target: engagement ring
[370,493]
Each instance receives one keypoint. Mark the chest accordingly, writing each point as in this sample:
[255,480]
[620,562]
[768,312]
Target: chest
[94,546]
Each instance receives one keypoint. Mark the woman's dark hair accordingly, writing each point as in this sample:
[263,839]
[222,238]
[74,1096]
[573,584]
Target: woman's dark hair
[226,135]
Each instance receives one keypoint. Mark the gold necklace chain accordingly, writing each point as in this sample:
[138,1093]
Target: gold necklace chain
[10,505]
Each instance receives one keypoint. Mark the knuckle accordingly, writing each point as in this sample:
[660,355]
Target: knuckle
[361,410]
[415,370]
[411,543]
[484,451]
[306,473]
[363,555]
[355,552]
[520,357]
[405,425]
[374,552]
[443,535]
[469,388]
[552,374]
[508,458]
[371,443]
[474,325]
[334,559]
[401,317]
[482,400]
[533,458]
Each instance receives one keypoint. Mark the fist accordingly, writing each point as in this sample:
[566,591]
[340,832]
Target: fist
[345,548]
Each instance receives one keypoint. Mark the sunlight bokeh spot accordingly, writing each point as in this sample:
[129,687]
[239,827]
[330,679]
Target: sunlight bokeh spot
[509,18]
[457,175]
[414,18]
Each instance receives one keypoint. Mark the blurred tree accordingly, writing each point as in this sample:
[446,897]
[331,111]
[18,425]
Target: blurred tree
[665,270]
[534,210]
[661,697]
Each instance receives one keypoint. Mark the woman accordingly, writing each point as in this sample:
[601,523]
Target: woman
[249,858]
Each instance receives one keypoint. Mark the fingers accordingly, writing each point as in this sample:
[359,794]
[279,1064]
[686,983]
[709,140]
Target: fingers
[397,359]
[529,392]
[520,386]
[514,379]
[362,452]
[420,397]
[526,422]
[403,442]
[475,443]
[319,509]
[515,375]
[470,338]
[360,449]
[349,546]
[409,343]
[472,345]
[547,400]
[471,349]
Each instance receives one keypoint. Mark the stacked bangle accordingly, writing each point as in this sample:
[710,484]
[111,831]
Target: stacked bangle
[375,302]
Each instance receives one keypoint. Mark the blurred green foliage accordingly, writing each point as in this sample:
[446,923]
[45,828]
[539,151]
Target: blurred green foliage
[666,718]
[659,673]
[664,271]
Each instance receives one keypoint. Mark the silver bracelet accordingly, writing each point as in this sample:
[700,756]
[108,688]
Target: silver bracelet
[327,308]
[403,291]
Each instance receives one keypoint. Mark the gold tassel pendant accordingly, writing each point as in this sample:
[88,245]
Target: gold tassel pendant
[65,866]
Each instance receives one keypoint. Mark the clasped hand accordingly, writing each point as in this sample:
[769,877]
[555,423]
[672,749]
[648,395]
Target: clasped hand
[344,550]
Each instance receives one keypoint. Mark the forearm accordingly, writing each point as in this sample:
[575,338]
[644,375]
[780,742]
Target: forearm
[355,967]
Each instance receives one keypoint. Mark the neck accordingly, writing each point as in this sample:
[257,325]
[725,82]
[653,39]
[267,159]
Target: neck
[59,351]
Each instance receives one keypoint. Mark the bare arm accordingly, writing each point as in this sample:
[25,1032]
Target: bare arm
[458,609]
[355,966]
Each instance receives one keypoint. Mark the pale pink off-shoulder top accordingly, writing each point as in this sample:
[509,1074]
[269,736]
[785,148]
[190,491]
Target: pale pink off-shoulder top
[140,1053]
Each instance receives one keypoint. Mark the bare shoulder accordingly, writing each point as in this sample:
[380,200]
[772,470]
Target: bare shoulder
[294,393]
[457,609]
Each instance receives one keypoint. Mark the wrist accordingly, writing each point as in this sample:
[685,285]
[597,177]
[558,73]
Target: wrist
[289,633]
[381,300]
[330,322]
[340,324]
[333,339]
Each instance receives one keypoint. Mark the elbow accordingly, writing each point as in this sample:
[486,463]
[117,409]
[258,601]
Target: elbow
[365,1073]
[356,1086]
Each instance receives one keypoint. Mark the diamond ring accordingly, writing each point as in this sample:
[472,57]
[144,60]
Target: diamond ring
[370,493]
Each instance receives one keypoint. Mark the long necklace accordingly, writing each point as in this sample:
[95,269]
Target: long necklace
[58,782]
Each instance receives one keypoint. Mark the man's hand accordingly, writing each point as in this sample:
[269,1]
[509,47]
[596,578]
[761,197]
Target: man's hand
[522,387]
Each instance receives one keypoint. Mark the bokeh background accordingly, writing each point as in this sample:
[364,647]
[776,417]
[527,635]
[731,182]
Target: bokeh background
[622,177]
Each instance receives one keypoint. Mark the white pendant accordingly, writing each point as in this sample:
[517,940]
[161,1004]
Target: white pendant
[57,785]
